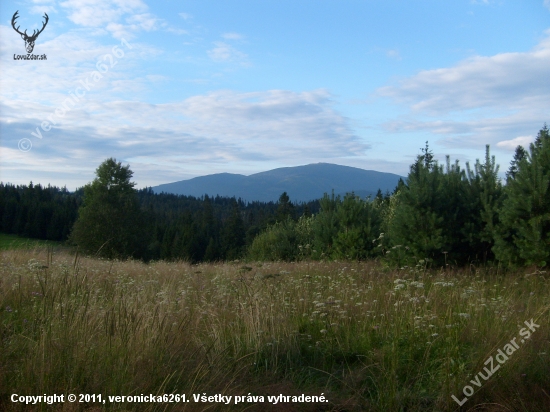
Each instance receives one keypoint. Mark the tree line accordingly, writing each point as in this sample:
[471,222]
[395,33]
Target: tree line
[441,214]
[38,212]
[115,220]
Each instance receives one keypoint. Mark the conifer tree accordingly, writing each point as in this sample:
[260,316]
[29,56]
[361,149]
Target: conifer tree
[209,232]
[542,135]
[285,208]
[233,234]
[485,200]
[524,232]
[518,155]
[416,223]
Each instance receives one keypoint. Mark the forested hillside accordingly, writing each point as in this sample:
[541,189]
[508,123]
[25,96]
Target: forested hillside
[442,214]
[38,212]
[171,226]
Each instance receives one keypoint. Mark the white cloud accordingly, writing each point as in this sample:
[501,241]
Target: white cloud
[518,141]
[43,7]
[120,31]
[393,54]
[185,16]
[96,13]
[72,56]
[232,36]
[481,100]
[224,52]
[203,132]
[122,18]
[176,30]
[473,133]
[547,4]
[503,80]
[145,21]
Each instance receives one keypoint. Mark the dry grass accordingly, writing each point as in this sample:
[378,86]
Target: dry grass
[368,338]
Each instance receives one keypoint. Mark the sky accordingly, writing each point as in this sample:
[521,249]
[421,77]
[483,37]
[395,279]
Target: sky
[179,89]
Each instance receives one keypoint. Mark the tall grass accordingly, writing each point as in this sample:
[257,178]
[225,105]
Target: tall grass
[368,338]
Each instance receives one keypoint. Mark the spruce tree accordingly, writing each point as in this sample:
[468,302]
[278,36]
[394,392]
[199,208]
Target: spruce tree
[233,234]
[542,135]
[519,154]
[285,209]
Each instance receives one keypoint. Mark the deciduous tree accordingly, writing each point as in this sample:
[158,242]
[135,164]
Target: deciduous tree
[110,223]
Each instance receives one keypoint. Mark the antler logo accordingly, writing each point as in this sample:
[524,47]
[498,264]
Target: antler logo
[29,40]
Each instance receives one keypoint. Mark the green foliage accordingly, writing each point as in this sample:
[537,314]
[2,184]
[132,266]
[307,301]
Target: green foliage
[387,207]
[277,242]
[177,227]
[285,208]
[38,212]
[288,240]
[519,154]
[524,233]
[343,229]
[233,234]
[325,226]
[358,225]
[110,223]
[444,215]
[304,235]
[9,242]
[486,196]
[417,222]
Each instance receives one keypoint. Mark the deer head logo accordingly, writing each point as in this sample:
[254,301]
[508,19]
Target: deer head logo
[29,40]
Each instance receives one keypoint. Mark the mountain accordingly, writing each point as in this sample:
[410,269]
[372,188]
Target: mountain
[302,183]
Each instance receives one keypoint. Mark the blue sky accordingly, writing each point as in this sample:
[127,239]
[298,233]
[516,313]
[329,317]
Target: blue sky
[189,88]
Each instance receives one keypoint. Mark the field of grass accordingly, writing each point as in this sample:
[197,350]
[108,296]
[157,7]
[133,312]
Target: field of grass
[367,338]
[17,242]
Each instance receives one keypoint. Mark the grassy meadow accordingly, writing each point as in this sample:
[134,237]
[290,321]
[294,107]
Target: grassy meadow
[366,337]
[8,242]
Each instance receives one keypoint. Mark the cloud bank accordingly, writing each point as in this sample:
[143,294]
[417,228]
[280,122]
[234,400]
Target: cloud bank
[478,99]
[194,134]
[479,82]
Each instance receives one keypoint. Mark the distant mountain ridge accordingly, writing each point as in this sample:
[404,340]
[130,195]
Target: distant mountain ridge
[302,183]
